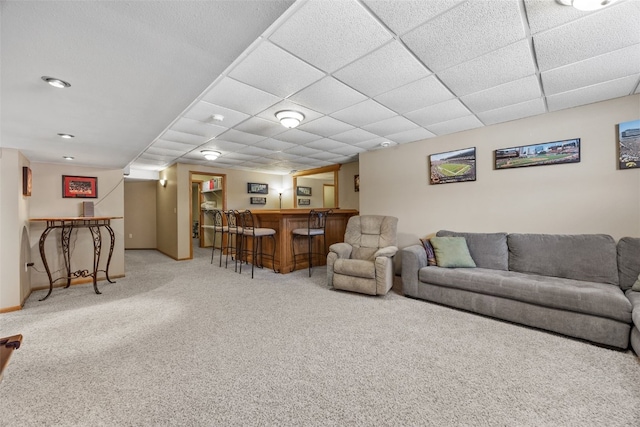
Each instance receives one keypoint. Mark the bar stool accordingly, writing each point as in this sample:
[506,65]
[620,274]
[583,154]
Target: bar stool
[218,227]
[249,230]
[316,223]
[233,230]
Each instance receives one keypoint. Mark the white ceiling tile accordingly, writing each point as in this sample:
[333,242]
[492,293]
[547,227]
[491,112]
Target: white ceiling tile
[402,16]
[330,34]
[261,127]
[325,126]
[301,150]
[185,138]
[323,155]
[203,111]
[161,151]
[274,144]
[393,125]
[164,159]
[442,112]
[545,14]
[280,73]
[372,143]
[328,95]
[245,138]
[222,145]
[196,127]
[364,113]
[498,67]
[298,136]
[416,95]
[238,96]
[255,151]
[513,112]
[610,66]
[501,96]
[172,145]
[238,155]
[326,144]
[385,69]
[348,150]
[283,156]
[412,135]
[591,94]
[345,159]
[354,136]
[488,25]
[616,27]
[456,125]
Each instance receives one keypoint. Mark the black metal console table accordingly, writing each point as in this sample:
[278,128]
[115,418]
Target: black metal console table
[67,224]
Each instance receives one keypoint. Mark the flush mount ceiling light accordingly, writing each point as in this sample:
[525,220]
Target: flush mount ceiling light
[66,135]
[587,5]
[385,144]
[210,154]
[289,119]
[67,157]
[60,84]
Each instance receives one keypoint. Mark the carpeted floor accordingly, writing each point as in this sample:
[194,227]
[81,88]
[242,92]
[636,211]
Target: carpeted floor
[191,344]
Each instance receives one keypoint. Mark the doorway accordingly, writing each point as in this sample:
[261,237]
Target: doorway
[208,192]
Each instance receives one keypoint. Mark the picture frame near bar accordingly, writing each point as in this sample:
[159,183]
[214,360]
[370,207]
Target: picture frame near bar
[75,187]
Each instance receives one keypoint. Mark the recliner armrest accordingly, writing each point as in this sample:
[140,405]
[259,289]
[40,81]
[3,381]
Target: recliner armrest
[388,251]
[343,250]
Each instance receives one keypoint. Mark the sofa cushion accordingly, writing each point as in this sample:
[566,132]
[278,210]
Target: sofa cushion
[628,261]
[452,252]
[593,298]
[355,267]
[585,257]
[634,298]
[636,285]
[488,250]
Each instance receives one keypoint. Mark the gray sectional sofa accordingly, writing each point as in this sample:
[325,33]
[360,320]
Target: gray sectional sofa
[569,284]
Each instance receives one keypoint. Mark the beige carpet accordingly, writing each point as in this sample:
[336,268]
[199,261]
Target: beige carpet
[191,344]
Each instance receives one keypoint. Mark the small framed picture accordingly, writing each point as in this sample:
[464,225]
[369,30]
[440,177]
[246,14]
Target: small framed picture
[258,200]
[85,187]
[453,166]
[26,181]
[304,202]
[303,191]
[629,144]
[255,188]
[356,183]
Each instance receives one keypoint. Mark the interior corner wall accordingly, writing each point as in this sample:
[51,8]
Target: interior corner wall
[167,213]
[47,201]
[591,196]
[140,214]
[14,225]
[348,197]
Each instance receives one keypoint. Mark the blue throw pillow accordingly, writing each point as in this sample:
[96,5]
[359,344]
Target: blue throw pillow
[431,256]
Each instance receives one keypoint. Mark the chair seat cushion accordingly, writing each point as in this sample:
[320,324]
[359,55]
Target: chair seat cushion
[259,232]
[308,232]
[355,267]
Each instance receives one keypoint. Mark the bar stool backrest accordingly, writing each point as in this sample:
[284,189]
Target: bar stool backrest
[218,218]
[318,218]
[246,221]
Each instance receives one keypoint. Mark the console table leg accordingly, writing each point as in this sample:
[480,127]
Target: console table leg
[97,245]
[113,241]
[43,238]
[65,239]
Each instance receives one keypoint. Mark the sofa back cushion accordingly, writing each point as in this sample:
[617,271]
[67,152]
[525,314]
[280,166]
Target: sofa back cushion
[587,257]
[628,261]
[488,250]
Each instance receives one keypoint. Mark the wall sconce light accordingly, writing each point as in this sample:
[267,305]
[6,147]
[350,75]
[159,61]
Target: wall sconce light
[163,182]
[289,119]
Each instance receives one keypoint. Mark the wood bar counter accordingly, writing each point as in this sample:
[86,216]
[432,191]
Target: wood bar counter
[284,221]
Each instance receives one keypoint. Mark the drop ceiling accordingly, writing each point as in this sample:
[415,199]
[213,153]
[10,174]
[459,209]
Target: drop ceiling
[148,77]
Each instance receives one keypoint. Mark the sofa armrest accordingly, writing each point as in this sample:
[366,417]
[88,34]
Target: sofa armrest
[388,252]
[413,259]
[342,250]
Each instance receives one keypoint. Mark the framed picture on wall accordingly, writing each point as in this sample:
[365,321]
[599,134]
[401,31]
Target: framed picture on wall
[85,187]
[629,144]
[258,200]
[453,166]
[304,202]
[255,188]
[356,183]
[303,191]
[26,181]
[549,153]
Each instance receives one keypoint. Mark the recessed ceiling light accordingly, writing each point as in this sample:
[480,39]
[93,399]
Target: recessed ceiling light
[210,154]
[385,144]
[68,157]
[66,135]
[587,5]
[217,117]
[289,119]
[60,84]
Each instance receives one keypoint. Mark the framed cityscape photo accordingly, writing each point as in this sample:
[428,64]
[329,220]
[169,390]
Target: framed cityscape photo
[255,188]
[629,144]
[258,200]
[303,191]
[304,202]
[549,153]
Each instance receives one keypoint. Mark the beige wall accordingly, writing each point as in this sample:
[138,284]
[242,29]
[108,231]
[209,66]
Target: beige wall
[348,198]
[140,214]
[587,197]
[47,201]
[167,212]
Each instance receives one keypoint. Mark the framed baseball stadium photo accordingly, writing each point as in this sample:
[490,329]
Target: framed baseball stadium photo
[548,153]
[453,166]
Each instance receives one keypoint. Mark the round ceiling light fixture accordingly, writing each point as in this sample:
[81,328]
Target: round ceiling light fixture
[289,118]
[60,84]
[210,154]
[66,135]
[385,144]
[68,157]
[587,5]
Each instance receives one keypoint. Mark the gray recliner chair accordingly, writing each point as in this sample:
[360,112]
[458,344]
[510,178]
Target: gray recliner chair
[364,262]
